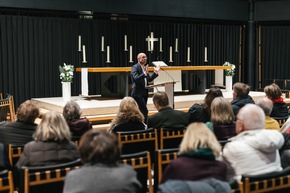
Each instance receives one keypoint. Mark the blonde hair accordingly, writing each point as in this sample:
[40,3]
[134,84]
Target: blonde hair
[128,111]
[53,127]
[221,111]
[198,135]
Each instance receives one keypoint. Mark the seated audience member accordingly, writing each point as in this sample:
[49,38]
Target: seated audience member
[222,119]
[100,152]
[241,96]
[209,185]
[166,116]
[254,150]
[201,112]
[266,104]
[4,165]
[197,157]
[72,114]
[129,117]
[285,151]
[280,108]
[20,132]
[52,143]
[286,127]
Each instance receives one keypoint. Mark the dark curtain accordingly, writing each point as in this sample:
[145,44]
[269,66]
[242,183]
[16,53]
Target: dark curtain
[32,48]
[275,48]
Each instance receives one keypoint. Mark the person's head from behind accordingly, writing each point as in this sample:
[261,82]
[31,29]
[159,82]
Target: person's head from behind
[273,91]
[71,111]
[221,111]
[52,127]
[266,104]
[129,110]
[212,94]
[240,90]
[160,100]
[27,112]
[199,136]
[99,147]
[250,117]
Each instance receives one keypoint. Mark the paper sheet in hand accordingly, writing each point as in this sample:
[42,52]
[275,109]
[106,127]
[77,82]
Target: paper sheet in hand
[159,63]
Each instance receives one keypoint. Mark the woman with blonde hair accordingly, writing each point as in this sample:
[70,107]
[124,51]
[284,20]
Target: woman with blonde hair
[52,143]
[198,152]
[129,117]
[280,108]
[222,119]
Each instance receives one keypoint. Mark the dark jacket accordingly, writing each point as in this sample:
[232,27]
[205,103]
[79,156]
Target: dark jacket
[38,153]
[285,151]
[224,131]
[17,133]
[80,126]
[279,110]
[168,118]
[138,82]
[197,113]
[210,185]
[194,168]
[129,126]
[239,102]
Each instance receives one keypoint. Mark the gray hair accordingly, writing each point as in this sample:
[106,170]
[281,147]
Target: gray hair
[266,104]
[253,117]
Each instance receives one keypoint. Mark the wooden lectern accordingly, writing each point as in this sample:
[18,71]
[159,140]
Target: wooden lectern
[169,90]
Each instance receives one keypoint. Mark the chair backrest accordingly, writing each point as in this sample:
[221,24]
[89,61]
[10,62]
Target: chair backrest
[272,182]
[141,162]
[162,159]
[7,111]
[236,186]
[14,153]
[45,179]
[281,120]
[137,141]
[170,138]
[6,182]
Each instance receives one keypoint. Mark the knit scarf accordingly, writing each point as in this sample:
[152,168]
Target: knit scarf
[200,153]
[278,100]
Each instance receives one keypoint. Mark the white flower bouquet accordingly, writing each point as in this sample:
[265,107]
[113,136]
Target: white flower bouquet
[66,72]
[230,72]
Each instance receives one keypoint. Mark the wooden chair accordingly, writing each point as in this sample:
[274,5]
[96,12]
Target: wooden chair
[137,141]
[236,186]
[281,120]
[45,179]
[170,138]
[6,182]
[7,111]
[275,182]
[14,153]
[141,162]
[162,159]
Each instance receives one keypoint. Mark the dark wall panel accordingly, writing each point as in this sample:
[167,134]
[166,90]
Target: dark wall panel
[207,9]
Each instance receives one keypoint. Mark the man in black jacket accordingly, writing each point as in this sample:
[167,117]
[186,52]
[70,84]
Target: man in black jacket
[140,79]
[166,117]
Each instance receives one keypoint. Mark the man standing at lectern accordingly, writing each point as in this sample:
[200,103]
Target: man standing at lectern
[140,79]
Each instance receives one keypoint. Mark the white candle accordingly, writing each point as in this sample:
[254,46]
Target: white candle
[205,54]
[176,45]
[170,54]
[160,44]
[84,54]
[130,59]
[188,54]
[108,53]
[125,43]
[80,43]
[148,43]
[103,42]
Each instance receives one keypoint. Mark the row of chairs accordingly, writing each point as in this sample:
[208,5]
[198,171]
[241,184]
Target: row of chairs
[7,110]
